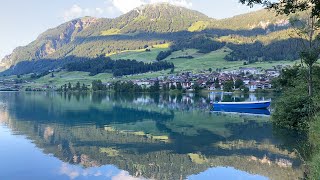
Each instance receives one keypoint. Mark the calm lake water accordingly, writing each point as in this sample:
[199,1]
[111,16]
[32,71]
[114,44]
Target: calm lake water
[110,136]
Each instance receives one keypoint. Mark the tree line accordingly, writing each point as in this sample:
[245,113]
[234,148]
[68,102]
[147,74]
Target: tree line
[94,66]
[116,67]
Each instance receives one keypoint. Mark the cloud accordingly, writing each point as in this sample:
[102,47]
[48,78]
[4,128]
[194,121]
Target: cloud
[71,172]
[125,6]
[183,3]
[113,8]
[124,175]
[76,11]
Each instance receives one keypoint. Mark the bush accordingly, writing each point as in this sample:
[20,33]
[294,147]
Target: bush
[294,110]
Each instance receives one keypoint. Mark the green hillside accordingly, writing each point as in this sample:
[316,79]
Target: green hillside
[253,37]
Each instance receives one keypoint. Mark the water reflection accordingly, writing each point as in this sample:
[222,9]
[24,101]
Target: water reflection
[265,112]
[158,136]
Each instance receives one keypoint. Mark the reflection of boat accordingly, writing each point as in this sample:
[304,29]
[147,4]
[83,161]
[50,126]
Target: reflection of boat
[243,105]
[243,111]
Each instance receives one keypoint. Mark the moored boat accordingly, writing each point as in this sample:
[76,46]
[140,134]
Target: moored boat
[243,105]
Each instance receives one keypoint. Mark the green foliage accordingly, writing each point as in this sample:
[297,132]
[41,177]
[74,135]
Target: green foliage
[228,86]
[78,87]
[155,87]
[238,83]
[92,65]
[126,87]
[289,6]
[69,86]
[179,86]
[117,67]
[203,43]
[98,86]
[163,54]
[294,110]
[197,88]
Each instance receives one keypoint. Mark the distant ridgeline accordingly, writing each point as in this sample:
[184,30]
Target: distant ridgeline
[92,65]
[257,36]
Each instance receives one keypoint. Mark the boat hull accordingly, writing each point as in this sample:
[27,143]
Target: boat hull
[245,105]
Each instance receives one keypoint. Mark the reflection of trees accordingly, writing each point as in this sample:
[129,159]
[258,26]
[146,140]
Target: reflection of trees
[141,155]
[80,136]
[294,141]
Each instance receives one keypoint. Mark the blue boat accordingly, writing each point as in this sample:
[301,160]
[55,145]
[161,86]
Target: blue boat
[242,105]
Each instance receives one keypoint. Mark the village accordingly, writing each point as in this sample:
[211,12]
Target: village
[252,79]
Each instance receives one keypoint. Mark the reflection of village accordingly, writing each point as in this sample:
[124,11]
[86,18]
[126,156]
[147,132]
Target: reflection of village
[176,148]
[253,78]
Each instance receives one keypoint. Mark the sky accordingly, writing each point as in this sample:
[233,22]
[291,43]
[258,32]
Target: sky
[22,21]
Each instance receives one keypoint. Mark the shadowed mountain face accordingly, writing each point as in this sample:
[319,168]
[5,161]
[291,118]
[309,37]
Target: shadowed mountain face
[156,137]
[146,25]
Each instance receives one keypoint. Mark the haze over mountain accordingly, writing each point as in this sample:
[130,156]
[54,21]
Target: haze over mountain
[150,25]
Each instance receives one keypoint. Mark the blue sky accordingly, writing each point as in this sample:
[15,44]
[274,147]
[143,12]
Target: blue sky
[23,20]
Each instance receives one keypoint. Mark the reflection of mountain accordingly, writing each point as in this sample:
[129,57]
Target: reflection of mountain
[159,143]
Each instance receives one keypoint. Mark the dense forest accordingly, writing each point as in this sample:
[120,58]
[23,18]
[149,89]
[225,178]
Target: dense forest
[117,67]
[92,65]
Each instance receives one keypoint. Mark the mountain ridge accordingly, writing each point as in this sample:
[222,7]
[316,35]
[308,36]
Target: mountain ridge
[90,37]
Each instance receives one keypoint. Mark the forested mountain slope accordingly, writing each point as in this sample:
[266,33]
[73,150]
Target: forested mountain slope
[156,24]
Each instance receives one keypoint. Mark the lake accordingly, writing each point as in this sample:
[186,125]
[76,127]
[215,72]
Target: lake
[136,136]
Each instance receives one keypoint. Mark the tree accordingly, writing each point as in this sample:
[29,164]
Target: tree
[196,88]
[216,83]
[179,86]
[172,70]
[165,87]
[238,83]
[288,6]
[210,70]
[307,28]
[84,87]
[98,86]
[245,89]
[69,86]
[155,87]
[228,86]
[77,86]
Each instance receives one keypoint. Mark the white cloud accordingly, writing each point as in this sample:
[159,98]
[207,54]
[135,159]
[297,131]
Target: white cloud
[183,3]
[125,6]
[67,170]
[113,8]
[76,11]
[124,175]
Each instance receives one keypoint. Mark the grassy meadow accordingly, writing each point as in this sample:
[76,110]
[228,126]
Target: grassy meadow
[200,62]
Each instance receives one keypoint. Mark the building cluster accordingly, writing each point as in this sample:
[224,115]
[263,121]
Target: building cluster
[252,78]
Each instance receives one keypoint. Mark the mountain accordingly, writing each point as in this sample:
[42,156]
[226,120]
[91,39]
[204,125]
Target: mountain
[147,25]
